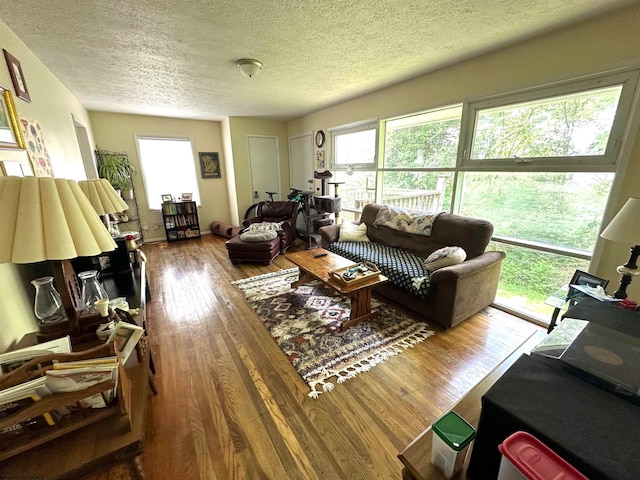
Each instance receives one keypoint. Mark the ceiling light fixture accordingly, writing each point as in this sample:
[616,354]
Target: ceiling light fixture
[249,66]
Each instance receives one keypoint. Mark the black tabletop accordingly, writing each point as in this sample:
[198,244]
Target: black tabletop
[591,428]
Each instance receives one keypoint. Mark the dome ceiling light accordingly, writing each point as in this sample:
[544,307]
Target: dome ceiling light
[249,66]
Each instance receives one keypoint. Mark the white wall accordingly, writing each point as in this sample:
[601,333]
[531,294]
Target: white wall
[117,132]
[54,107]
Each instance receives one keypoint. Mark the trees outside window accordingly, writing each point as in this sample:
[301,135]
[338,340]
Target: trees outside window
[538,164]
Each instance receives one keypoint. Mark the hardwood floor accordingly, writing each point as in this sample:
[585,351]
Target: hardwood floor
[231,406]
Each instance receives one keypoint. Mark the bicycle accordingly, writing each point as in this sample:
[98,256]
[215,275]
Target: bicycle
[251,211]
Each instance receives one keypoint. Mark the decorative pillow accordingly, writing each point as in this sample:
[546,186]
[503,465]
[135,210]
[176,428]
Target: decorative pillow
[265,226]
[445,257]
[258,235]
[350,232]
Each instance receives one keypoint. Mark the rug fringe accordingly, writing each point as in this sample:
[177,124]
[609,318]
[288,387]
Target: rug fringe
[283,273]
[364,365]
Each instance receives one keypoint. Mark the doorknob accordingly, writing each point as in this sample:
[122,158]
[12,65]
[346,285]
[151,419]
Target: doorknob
[255,194]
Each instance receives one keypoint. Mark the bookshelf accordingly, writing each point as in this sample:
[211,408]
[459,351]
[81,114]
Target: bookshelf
[180,220]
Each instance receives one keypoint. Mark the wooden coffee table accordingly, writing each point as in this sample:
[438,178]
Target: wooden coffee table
[314,267]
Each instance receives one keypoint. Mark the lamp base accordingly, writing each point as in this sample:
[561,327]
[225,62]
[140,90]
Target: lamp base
[627,272]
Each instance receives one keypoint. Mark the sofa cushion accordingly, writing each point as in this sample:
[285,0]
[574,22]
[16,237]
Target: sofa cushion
[445,257]
[258,235]
[404,270]
[350,232]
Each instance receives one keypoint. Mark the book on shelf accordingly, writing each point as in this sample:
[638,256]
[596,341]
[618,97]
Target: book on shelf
[36,423]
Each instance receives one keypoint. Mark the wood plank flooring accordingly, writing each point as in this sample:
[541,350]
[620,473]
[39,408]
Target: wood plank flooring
[231,406]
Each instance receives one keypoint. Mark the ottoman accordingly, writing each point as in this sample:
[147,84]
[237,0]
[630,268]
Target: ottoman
[262,252]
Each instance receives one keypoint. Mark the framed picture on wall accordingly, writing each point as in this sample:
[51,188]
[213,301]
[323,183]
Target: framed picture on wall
[17,77]
[10,132]
[209,164]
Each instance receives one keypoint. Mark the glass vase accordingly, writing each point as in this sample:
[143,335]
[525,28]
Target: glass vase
[91,290]
[48,304]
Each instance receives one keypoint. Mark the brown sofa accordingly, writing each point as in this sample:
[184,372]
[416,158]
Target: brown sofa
[458,291]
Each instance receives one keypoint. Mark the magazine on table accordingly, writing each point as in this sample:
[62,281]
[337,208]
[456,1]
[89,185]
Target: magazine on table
[11,360]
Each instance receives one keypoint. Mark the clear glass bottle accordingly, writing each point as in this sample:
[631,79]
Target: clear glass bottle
[91,290]
[48,304]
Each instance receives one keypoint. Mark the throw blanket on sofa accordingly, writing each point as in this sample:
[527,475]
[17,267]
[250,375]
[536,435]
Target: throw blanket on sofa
[405,220]
[404,270]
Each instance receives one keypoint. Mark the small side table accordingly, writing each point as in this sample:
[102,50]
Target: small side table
[574,294]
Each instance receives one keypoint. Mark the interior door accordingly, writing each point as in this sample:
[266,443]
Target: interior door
[301,161]
[265,168]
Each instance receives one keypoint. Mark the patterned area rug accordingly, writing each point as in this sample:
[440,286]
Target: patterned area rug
[305,323]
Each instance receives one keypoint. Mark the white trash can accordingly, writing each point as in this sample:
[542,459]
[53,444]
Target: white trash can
[452,436]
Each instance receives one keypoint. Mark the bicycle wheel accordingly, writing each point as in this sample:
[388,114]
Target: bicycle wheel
[251,211]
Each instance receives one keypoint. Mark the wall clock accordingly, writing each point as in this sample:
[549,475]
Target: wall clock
[319,138]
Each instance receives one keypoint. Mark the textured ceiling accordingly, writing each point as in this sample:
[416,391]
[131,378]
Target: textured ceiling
[176,58]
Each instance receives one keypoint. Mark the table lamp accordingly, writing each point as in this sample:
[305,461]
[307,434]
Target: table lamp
[50,219]
[104,200]
[625,228]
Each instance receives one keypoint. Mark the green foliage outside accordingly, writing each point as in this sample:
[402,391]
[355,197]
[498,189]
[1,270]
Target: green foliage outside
[561,209]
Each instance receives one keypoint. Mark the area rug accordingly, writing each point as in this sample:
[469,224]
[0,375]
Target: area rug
[305,324]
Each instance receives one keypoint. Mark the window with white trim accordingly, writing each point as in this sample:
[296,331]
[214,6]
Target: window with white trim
[539,164]
[168,167]
[578,123]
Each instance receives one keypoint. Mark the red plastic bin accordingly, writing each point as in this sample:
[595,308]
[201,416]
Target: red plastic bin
[526,457]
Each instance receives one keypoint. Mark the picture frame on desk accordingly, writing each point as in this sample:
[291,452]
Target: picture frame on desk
[584,278]
[126,337]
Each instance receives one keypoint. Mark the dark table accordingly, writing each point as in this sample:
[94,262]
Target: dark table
[592,429]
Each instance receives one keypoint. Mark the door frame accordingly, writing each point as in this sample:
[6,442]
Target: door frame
[252,135]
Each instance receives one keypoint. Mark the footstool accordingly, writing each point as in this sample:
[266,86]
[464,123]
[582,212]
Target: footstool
[262,251]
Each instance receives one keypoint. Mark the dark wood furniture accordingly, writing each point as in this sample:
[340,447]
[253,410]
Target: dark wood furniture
[107,442]
[313,266]
[180,220]
[416,457]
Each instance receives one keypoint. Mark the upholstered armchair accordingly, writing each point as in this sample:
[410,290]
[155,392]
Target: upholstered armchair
[284,212]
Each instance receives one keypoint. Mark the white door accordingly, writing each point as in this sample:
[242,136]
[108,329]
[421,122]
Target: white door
[301,161]
[265,169]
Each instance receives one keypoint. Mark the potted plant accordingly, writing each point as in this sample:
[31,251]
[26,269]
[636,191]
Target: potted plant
[115,167]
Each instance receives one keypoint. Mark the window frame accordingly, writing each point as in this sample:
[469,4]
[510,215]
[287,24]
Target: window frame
[355,128]
[196,193]
[606,162]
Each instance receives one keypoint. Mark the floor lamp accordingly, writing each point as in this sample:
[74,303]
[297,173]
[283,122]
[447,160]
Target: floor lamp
[104,199]
[50,219]
[625,228]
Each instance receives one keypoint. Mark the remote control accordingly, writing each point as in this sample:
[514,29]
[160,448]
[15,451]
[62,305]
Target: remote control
[318,255]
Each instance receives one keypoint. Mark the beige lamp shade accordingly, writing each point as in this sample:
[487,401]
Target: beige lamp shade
[102,196]
[625,226]
[48,219]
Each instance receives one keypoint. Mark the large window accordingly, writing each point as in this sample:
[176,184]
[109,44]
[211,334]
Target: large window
[576,124]
[354,166]
[538,164]
[168,167]
[355,146]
